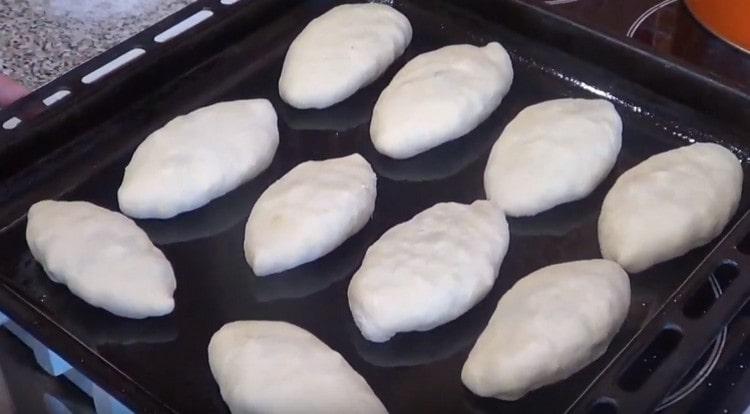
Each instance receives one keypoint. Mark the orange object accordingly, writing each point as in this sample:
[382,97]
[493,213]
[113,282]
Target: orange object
[727,19]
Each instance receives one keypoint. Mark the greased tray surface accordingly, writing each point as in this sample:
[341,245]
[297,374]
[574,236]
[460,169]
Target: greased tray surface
[161,363]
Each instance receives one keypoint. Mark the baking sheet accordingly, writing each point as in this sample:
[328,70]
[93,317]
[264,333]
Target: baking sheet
[161,364]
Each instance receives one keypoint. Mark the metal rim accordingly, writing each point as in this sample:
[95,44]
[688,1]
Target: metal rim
[717,347]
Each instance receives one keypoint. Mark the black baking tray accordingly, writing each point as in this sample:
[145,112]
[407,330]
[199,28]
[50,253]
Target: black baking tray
[78,151]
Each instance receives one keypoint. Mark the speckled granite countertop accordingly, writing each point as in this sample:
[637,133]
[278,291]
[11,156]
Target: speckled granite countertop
[42,39]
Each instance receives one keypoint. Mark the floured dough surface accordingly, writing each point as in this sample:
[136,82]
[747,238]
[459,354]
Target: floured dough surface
[439,96]
[102,256]
[669,204]
[341,51]
[309,212]
[552,153]
[548,326]
[198,157]
[276,367]
[429,270]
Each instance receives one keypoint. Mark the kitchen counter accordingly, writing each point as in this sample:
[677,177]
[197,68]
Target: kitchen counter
[42,39]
